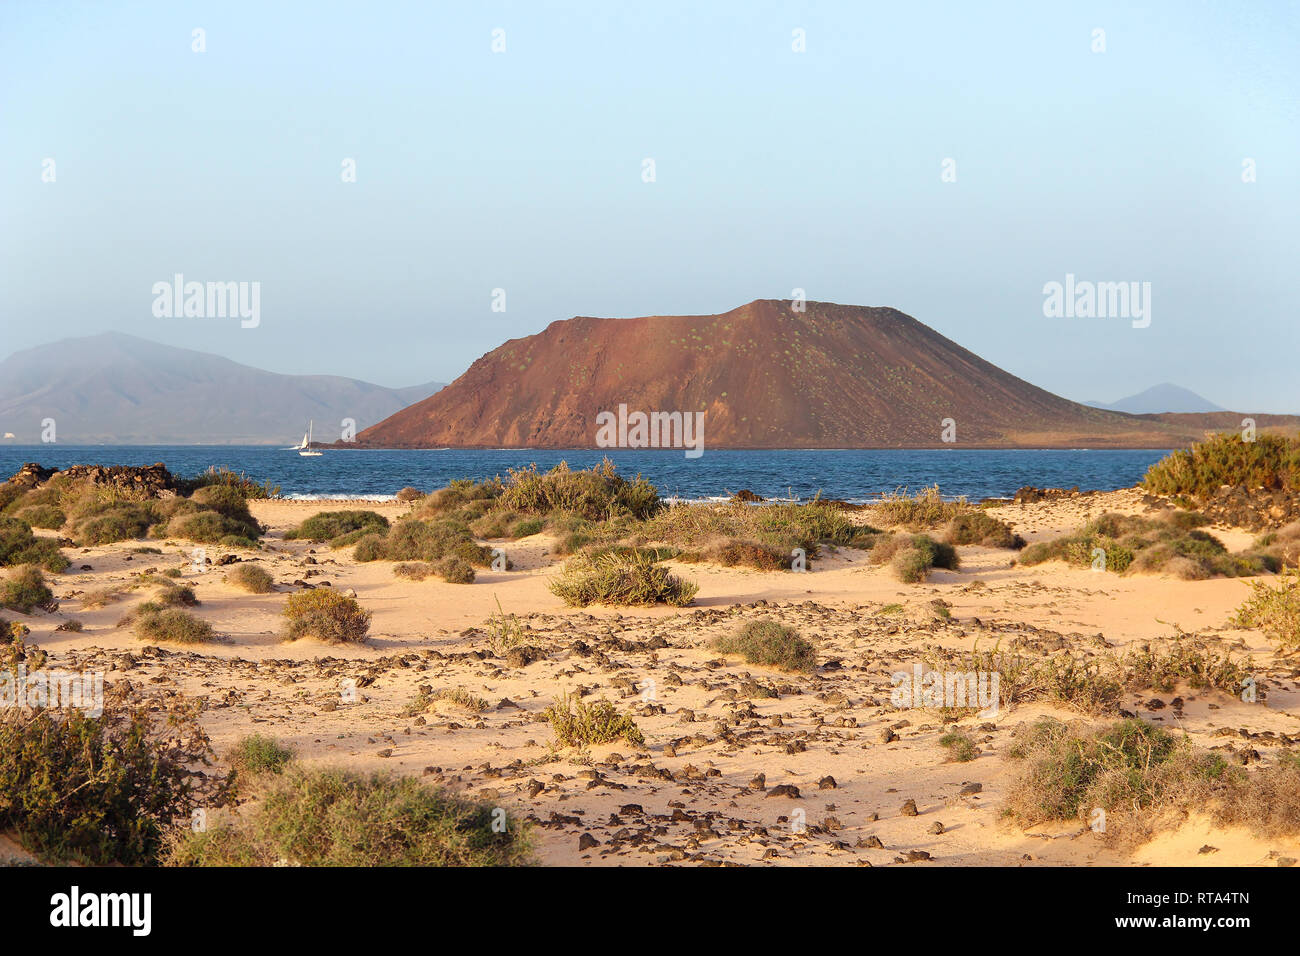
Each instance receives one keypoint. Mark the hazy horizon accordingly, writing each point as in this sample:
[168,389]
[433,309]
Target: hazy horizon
[775,169]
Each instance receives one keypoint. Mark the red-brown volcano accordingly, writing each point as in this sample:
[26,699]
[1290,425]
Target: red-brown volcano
[766,376]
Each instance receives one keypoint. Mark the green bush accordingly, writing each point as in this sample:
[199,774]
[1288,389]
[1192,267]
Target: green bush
[417,540]
[1130,768]
[913,556]
[596,493]
[331,817]
[1270,461]
[620,578]
[328,525]
[19,546]
[1274,610]
[979,527]
[252,578]
[455,571]
[25,590]
[49,517]
[258,754]
[326,615]
[578,724]
[102,790]
[171,625]
[769,644]
[1171,543]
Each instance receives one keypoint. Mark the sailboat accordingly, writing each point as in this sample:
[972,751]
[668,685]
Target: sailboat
[305,448]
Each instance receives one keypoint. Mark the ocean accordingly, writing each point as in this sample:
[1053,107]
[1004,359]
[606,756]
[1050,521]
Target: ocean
[851,475]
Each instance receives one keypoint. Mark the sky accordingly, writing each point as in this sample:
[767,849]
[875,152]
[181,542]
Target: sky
[775,169]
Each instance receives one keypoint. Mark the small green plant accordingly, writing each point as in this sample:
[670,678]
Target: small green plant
[103,790]
[258,754]
[769,644]
[326,615]
[25,590]
[252,578]
[620,578]
[19,546]
[503,630]
[343,527]
[579,724]
[338,818]
[172,625]
[1274,610]
[913,556]
[961,747]
[427,697]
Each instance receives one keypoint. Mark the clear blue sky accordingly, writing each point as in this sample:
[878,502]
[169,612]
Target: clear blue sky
[775,170]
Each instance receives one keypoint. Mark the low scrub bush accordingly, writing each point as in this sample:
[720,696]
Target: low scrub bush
[19,546]
[338,818]
[1270,461]
[25,590]
[769,644]
[327,615]
[913,556]
[102,790]
[630,578]
[171,625]
[1275,610]
[579,724]
[332,525]
[252,578]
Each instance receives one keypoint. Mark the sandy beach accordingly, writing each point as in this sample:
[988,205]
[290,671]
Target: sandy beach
[741,764]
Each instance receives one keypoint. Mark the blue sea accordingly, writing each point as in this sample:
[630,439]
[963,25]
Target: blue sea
[851,475]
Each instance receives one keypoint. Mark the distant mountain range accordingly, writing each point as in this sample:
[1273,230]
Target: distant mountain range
[765,376]
[1161,398]
[122,390]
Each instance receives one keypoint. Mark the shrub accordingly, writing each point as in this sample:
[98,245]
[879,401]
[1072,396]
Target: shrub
[414,570]
[171,625]
[326,615]
[25,590]
[455,571]
[333,817]
[1274,610]
[114,521]
[758,536]
[596,493]
[979,527]
[49,517]
[252,578]
[1270,461]
[578,724]
[919,512]
[258,754]
[912,557]
[102,790]
[19,546]
[1169,543]
[237,481]
[961,747]
[417,540]
[409,494]
[769,644]
[1131,769]
[328,525]
[211,527]
[620,579]
[427,697]
[92,600]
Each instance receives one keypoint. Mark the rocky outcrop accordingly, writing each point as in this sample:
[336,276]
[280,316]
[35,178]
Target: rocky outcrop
[150,481]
